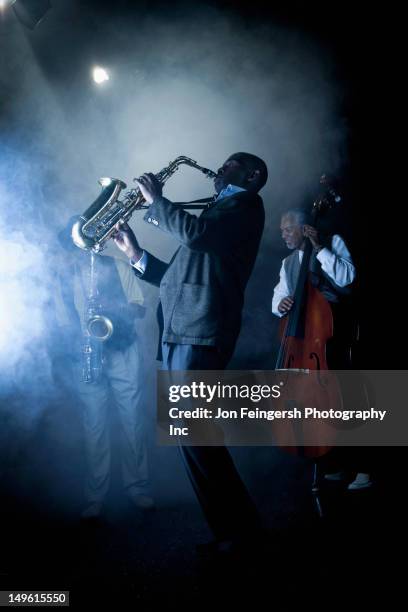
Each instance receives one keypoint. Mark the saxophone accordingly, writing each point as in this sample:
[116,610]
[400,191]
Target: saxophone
[97,224]
[97,329]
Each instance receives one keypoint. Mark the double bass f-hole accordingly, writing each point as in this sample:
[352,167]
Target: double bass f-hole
[315,356]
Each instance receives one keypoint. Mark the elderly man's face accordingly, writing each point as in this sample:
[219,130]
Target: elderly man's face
[292,232]
[231,172]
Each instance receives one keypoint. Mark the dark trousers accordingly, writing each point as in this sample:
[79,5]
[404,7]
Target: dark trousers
[225,501]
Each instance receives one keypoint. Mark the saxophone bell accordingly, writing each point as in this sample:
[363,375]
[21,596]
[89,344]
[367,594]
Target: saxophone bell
[97,224]
[99,327]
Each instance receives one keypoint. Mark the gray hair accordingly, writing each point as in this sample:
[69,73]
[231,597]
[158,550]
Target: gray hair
[301,216]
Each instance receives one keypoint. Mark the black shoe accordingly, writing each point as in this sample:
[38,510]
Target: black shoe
[92,511]
[215,549]
[140,501]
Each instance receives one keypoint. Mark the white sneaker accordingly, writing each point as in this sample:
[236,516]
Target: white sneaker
[361,481]
[335,476]
[93,510]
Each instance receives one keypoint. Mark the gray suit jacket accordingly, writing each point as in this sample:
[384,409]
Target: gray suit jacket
[202,288]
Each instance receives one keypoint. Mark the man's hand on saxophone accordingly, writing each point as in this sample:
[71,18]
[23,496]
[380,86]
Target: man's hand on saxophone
[126,241]
[150,187]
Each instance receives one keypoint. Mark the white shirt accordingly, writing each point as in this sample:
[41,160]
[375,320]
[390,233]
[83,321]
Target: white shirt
[336,263]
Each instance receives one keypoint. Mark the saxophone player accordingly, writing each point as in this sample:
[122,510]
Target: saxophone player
[110,285]
[202,293]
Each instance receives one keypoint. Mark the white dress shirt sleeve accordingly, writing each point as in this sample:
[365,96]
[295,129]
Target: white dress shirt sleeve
[281,291]
[141,264]
[337,262]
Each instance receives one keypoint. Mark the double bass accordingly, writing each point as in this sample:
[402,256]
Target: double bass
[305,333]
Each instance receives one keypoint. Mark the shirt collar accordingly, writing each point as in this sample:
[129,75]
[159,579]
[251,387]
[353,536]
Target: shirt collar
[228,191]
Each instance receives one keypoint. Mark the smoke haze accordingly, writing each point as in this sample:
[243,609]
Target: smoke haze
[199,82]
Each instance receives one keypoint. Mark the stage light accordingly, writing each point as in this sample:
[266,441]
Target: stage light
[28,12]
[100,75]
[6,3]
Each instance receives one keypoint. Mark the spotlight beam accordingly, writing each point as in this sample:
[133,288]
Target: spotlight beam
[28,12]
[6,3]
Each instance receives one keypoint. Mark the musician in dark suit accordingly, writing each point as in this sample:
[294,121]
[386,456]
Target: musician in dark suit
[202,295]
